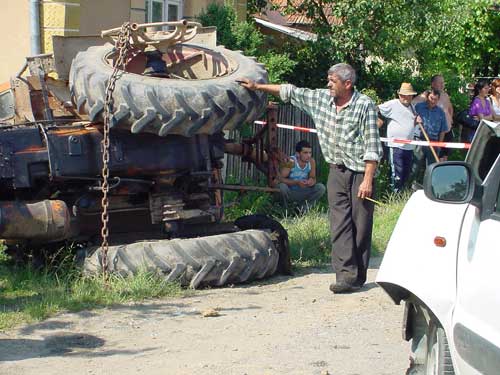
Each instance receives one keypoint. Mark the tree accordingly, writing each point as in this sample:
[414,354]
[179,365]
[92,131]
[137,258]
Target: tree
[244,36]
[419,36]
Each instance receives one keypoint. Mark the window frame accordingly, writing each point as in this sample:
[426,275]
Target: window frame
[165,4]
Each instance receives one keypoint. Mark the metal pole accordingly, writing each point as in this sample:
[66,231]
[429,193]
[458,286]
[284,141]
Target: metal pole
[35,26]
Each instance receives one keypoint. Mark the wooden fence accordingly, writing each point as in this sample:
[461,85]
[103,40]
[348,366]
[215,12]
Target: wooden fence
[241,172]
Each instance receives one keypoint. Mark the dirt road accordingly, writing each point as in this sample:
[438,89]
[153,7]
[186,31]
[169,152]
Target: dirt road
[281,326]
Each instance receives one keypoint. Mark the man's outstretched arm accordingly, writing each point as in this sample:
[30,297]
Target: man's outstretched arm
[254,86]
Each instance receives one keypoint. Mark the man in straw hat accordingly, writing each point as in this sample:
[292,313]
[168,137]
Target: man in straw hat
[401,125]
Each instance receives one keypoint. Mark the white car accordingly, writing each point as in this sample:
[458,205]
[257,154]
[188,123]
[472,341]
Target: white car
[443,260]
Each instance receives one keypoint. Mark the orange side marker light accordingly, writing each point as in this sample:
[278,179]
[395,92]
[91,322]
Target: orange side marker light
[439,241]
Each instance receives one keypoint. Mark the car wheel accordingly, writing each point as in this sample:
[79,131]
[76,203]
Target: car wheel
[430,351]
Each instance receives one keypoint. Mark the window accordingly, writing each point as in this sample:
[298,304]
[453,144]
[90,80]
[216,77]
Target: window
[163,10]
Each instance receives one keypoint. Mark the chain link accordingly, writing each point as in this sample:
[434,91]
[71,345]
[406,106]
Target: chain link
[122,46]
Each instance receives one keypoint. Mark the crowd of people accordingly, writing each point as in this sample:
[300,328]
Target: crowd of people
[429,116]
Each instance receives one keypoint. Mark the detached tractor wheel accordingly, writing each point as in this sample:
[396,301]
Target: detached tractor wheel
[430,351]
[200,94]
[280,237]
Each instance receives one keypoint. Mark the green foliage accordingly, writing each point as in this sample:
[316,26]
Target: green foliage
[224,19]
[4,257]
[389,40]
[313,59]
[386,79]
[247,203]
[277,65]
[372,93]
[383,181]
[255,6]
[309,236]
[245,37]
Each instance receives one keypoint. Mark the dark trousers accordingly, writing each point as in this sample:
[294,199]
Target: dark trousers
[422,157]
[401,161]
[351,221]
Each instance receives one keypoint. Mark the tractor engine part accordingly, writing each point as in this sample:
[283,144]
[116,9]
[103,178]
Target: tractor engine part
[45,221]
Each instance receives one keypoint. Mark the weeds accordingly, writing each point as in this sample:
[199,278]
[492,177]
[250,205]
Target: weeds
[28,295]
[310,242]
[385,219]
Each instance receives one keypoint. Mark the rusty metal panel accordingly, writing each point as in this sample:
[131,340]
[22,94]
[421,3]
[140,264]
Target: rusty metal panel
[6,167]
[22,100]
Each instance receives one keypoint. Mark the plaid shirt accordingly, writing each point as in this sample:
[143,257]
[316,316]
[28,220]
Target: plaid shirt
[349,137]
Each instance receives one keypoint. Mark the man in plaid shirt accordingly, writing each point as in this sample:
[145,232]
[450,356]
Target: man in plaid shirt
[346,122]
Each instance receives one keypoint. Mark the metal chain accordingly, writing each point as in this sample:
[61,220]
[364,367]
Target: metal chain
[122,45]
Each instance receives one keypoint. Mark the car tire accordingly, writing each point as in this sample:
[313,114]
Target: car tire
[430,351]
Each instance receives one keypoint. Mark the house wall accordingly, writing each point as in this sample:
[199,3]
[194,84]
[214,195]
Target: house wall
[98,15]
[138,11]
[15,31]
[195,7]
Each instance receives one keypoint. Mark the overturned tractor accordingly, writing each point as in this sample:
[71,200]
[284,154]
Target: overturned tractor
[142,122]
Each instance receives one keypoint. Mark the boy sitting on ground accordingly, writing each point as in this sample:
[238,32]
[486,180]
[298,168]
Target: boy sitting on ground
[298,178]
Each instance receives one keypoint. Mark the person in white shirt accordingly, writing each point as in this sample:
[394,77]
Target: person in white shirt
[401,118]
[495,98]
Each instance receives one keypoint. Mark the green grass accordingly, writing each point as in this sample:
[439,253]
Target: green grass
[309,235]
[310,241]
[385,219]
[27,295]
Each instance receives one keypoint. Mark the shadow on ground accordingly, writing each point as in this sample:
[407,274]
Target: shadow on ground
[67,344]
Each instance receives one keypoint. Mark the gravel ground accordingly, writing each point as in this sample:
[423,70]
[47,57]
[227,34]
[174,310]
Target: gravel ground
[285,325]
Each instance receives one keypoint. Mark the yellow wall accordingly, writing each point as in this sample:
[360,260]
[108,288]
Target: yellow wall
[15,32]
[98,15]
[58,18]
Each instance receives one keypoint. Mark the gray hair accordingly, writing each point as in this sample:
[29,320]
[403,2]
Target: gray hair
[344,71]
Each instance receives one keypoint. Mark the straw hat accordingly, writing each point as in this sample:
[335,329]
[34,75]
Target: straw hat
[406,89]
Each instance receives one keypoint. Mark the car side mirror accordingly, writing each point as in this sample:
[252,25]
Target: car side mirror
[449,182]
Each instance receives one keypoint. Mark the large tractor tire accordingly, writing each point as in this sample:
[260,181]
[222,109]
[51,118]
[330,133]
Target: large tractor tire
[256,252]
[203,96]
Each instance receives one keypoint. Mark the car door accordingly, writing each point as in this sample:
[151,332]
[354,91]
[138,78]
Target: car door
[476,316]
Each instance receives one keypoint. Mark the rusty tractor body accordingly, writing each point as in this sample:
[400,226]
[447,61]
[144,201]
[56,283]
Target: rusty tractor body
[166,152]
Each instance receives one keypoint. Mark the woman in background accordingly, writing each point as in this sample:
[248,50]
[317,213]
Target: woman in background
[495,98]
[480,107]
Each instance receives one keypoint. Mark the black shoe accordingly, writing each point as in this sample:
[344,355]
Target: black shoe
[342,287]
[359,284]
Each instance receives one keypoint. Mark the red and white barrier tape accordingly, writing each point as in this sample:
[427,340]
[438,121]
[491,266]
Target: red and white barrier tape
[392,140]
[425,143]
